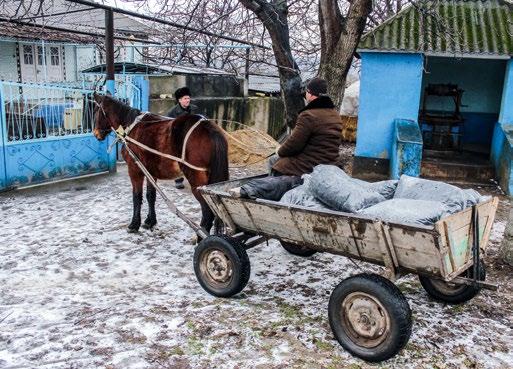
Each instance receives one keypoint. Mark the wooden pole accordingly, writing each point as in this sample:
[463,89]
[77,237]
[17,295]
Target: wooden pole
[109,50]
[109,76]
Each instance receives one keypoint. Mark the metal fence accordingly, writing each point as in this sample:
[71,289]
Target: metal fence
[36,111]
[46,134]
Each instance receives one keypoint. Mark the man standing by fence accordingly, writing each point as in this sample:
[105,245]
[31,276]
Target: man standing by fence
[183,106]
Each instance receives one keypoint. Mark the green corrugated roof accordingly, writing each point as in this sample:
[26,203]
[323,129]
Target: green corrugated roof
[446,27]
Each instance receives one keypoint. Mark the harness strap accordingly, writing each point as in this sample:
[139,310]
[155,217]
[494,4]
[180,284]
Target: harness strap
[135,122]
[189,132]
[122,135]
[172,157]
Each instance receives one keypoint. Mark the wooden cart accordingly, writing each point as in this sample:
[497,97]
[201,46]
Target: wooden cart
[368,314]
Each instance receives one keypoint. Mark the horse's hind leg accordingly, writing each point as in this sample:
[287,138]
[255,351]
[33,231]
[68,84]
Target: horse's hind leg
[197,179]
[151,196]
[137,197]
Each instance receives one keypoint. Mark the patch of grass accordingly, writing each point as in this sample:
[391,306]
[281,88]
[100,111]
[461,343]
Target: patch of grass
[176,350]
[407,288]
[353,366]
[190,325]
[288,311]
[323,345]
[195,346]
[457,308]
[131,336]
[414,350]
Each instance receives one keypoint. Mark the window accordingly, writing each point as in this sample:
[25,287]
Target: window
[28,54]
[54,55]
[40,56]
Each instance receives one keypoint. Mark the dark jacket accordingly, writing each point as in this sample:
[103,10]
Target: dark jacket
[314,140]
[177,110]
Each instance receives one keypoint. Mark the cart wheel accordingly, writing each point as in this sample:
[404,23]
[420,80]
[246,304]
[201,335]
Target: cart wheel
[221,266]
[450,292]
[370,317]
[297,249]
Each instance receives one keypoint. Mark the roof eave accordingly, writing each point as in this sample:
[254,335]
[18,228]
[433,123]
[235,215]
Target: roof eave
[440,54]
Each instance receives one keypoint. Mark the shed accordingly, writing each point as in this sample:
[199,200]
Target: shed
[446,68]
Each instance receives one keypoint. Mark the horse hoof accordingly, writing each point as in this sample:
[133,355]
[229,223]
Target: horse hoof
[148,226]
[132,230]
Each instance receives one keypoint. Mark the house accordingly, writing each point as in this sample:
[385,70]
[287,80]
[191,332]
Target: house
[46,114]
[436,93]
[55,42]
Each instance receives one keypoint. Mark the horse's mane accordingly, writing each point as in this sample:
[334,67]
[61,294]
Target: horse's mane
[125,112]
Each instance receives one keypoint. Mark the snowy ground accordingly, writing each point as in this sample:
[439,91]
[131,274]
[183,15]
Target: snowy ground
[78,291]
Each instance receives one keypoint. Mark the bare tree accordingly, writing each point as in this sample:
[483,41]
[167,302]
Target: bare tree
[339,39]
[274,16]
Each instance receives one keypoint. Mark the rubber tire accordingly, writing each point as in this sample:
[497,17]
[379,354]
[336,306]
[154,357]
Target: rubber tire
[392,300]
[238,257]
[467,293]
[297,249]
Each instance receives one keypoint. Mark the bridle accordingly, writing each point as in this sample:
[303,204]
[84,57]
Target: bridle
[104,131]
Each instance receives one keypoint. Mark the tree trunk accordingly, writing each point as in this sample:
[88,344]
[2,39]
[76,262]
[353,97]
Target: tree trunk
[274,17]
[339,39]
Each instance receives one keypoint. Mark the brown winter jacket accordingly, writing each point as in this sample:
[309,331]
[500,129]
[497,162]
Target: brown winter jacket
[314,140]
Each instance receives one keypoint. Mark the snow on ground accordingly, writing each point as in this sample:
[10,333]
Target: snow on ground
[78,291]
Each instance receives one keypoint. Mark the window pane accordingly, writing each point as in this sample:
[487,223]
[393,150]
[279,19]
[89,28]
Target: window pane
[28,54]
[54,55]
[40,55]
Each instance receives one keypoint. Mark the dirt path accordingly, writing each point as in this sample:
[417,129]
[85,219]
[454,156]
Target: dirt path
[78,291]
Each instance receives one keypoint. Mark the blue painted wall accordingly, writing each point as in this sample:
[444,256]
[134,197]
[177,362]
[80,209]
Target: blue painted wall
[502,143]
[506,114]
[481,80]
[390,88]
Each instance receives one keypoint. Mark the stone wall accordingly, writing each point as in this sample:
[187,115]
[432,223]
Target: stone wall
[222,98]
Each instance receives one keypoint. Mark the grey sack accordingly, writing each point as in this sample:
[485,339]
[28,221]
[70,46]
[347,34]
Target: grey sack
[335,189]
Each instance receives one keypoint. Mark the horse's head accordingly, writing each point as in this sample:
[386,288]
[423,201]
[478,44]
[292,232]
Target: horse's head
[103,123]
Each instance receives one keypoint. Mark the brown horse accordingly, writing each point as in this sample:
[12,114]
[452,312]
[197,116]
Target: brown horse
[206,147]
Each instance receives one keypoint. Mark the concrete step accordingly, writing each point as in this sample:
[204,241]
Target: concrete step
[478,171]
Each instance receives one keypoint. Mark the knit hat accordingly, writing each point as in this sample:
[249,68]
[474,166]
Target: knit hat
[181,92]
[317,86]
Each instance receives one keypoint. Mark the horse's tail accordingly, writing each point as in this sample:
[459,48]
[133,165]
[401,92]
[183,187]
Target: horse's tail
[218,167]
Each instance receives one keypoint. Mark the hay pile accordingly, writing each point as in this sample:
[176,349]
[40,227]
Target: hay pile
[250,147]
[349,124]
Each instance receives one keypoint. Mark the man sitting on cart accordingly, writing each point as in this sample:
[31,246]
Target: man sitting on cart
[315,138]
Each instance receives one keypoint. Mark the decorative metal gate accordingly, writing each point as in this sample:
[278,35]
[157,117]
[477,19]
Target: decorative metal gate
[46,134]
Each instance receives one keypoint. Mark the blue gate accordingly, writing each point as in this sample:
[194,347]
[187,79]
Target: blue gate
[46,134]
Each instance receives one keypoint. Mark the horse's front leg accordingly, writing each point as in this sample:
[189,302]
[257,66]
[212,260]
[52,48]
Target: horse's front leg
[151,196]
[137,197]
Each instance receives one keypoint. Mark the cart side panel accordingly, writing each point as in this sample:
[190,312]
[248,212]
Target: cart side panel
[456,232]
[416,250]
[339,235]
[264,219]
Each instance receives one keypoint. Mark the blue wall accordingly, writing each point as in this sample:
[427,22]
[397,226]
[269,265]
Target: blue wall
[481,80]
[390,87]
[502,142]
[506,114]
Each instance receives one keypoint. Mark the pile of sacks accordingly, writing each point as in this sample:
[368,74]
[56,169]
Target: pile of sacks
[408,200]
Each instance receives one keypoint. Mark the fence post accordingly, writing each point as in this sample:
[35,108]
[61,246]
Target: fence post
[3,140]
